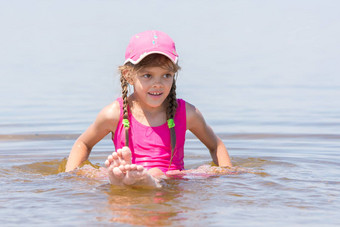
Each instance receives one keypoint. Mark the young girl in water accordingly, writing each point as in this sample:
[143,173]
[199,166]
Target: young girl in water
[148,126]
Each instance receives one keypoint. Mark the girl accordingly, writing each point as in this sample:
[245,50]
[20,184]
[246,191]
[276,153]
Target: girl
[148,127]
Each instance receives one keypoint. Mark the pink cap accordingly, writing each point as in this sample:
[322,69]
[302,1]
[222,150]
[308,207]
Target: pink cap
[150,42]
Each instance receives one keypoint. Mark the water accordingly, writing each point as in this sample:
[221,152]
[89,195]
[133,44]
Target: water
[263,73]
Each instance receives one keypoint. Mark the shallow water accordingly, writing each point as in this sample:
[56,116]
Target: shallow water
[267,84]
[294,180]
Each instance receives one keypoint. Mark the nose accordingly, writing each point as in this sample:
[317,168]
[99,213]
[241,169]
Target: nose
[157,82]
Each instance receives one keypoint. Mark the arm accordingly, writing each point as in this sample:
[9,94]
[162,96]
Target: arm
[105,123]
[197,125]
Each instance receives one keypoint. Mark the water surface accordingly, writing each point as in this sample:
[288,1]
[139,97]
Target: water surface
[264,74]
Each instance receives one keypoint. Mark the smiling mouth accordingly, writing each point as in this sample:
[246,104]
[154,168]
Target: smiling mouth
[155,93]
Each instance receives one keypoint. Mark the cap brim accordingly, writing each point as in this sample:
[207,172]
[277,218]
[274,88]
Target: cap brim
[141,57]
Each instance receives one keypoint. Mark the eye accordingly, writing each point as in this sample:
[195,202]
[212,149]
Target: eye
[146,76]
[167,76]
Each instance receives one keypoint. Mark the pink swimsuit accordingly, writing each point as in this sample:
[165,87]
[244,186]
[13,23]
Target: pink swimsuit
[150,146]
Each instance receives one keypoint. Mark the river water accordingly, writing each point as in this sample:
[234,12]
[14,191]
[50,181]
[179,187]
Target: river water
[265,74]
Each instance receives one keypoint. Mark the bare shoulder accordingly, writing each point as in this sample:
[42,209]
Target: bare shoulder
[198,126]
[190,109]
[111,111]
[106,122]
[109,116]
[193,116]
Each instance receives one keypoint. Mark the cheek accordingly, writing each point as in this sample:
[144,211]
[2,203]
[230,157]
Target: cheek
[170,84]
[138,84]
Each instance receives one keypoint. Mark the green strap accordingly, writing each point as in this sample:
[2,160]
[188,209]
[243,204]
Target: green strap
[126,123]
[171,123]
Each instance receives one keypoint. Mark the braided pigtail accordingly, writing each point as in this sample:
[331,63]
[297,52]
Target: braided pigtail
[170,112]
[126,122]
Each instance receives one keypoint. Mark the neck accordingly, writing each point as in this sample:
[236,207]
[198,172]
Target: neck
[136,105]
[145,114]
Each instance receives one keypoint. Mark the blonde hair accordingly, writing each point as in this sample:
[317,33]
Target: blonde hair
[129,70]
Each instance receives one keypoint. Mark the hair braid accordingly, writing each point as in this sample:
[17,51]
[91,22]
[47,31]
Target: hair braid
[172,102]
[170,112]
[124,85]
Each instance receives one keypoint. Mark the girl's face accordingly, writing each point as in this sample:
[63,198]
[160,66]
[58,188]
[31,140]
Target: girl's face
[152,85]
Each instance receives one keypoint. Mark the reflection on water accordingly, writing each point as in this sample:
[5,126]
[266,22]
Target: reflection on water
[149,207]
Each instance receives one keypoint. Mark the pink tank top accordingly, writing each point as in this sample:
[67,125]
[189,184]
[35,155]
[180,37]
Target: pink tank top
[150,146]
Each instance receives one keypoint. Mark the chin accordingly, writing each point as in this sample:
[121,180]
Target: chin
[156,104]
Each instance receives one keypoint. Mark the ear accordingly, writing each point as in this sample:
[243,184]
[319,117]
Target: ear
[128,75]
